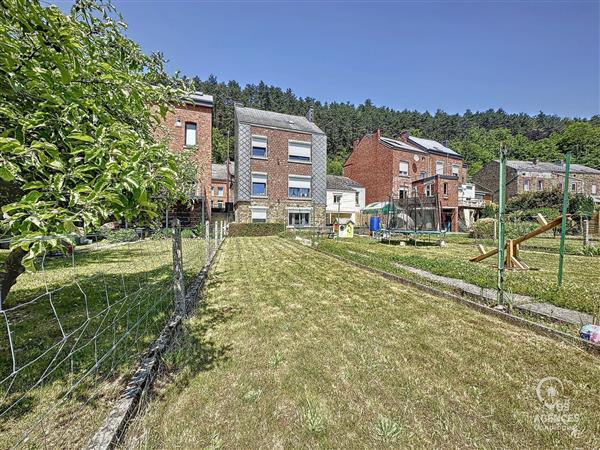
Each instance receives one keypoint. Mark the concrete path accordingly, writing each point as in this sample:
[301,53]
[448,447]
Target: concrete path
[521,302]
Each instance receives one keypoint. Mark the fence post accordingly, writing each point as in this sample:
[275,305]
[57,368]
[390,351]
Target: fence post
[178,284]
[216,239]
[207,241]
[586,232]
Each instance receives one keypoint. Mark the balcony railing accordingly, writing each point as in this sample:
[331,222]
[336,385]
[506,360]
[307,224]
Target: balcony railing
[471,202]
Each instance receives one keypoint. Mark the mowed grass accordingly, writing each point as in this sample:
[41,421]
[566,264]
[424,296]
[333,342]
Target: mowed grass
[293,349]
[110,301]
[581,282]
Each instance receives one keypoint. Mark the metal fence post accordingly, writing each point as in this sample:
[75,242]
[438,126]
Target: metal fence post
[207,241]
[178,283]
[216,239]
[563,224]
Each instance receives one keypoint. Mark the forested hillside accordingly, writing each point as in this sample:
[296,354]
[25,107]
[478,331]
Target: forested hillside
[476,135]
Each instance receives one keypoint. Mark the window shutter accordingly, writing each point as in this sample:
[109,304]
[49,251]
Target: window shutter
[300,149]
[297,182]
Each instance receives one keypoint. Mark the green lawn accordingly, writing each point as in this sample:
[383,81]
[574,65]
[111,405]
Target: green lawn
[70,296]
[292,349]
[581,273]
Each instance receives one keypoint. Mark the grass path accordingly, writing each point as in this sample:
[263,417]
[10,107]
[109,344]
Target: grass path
[292,349]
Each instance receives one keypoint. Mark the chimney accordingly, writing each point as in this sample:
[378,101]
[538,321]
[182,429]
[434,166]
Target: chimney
[377,134]
[536,161]
[310,114]
[445,143]
[403,136]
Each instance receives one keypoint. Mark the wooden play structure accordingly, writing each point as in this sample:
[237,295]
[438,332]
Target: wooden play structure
[512,260]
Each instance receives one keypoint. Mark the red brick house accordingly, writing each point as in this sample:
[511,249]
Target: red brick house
[221,187]
[280,168]
[188,127]
[407,166]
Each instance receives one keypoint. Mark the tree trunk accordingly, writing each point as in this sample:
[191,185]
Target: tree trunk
[9,272]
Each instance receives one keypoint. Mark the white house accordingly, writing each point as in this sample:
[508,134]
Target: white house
[345,199]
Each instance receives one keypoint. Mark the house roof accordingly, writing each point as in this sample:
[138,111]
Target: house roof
[276,120]
[399,144]
[431,145]
[219,171]
[338,183]
[541,166]
[199,98]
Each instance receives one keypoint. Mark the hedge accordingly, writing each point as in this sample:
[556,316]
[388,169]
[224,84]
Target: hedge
[255,229]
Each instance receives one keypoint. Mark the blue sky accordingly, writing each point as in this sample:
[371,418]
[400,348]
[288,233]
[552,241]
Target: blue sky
[522,56]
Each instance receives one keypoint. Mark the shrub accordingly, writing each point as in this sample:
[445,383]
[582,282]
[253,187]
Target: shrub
[489,210]
[122,235]
[255,229]
[589,250]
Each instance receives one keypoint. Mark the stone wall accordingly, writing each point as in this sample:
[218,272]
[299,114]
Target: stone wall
[277,212]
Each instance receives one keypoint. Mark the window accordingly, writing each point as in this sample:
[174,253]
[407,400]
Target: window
[428,190]
[423,175]
[455,169]
[337,198]
[574,187]
[526,184]
[259,146]
[439,167]
[258,215]
[298,219]
[445,188]
[220,191]
[299,186]
[212,190]
[540,185]
[402,193]
[220,204]
[403,168]
[259,184]
[594,189]
[299,151]
[190,134]
[357,198]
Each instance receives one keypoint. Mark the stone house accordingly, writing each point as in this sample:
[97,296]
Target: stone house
[188,127]
[529,176]
[280,168]
[405,167]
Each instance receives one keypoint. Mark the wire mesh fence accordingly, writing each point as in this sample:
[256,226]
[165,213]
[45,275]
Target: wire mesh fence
[73,330]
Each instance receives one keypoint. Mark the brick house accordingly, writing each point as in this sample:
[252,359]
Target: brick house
[188,127]
[221,186]
[407,166]
[528,176]
[280,167]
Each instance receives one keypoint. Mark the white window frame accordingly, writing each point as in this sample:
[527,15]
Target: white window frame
[540,185]
[256,213]
[259,176]
[189,136]
[338,196]
[220,191]
[301,181]
[455,169]
[439,164]
[403,173]
[299,211]
[300,154]
[594,189]
[526,185]
[429,190]
[260,142]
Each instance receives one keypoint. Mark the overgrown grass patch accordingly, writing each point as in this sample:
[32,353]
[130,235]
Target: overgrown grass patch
[363,363]
[101,307]
[581,280]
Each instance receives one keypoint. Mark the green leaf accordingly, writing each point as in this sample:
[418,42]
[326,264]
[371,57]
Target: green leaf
[5,174]
[81,137]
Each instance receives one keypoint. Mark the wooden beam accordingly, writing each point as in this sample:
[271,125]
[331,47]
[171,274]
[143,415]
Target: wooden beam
[481,248]
[541,219]
[554,223]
